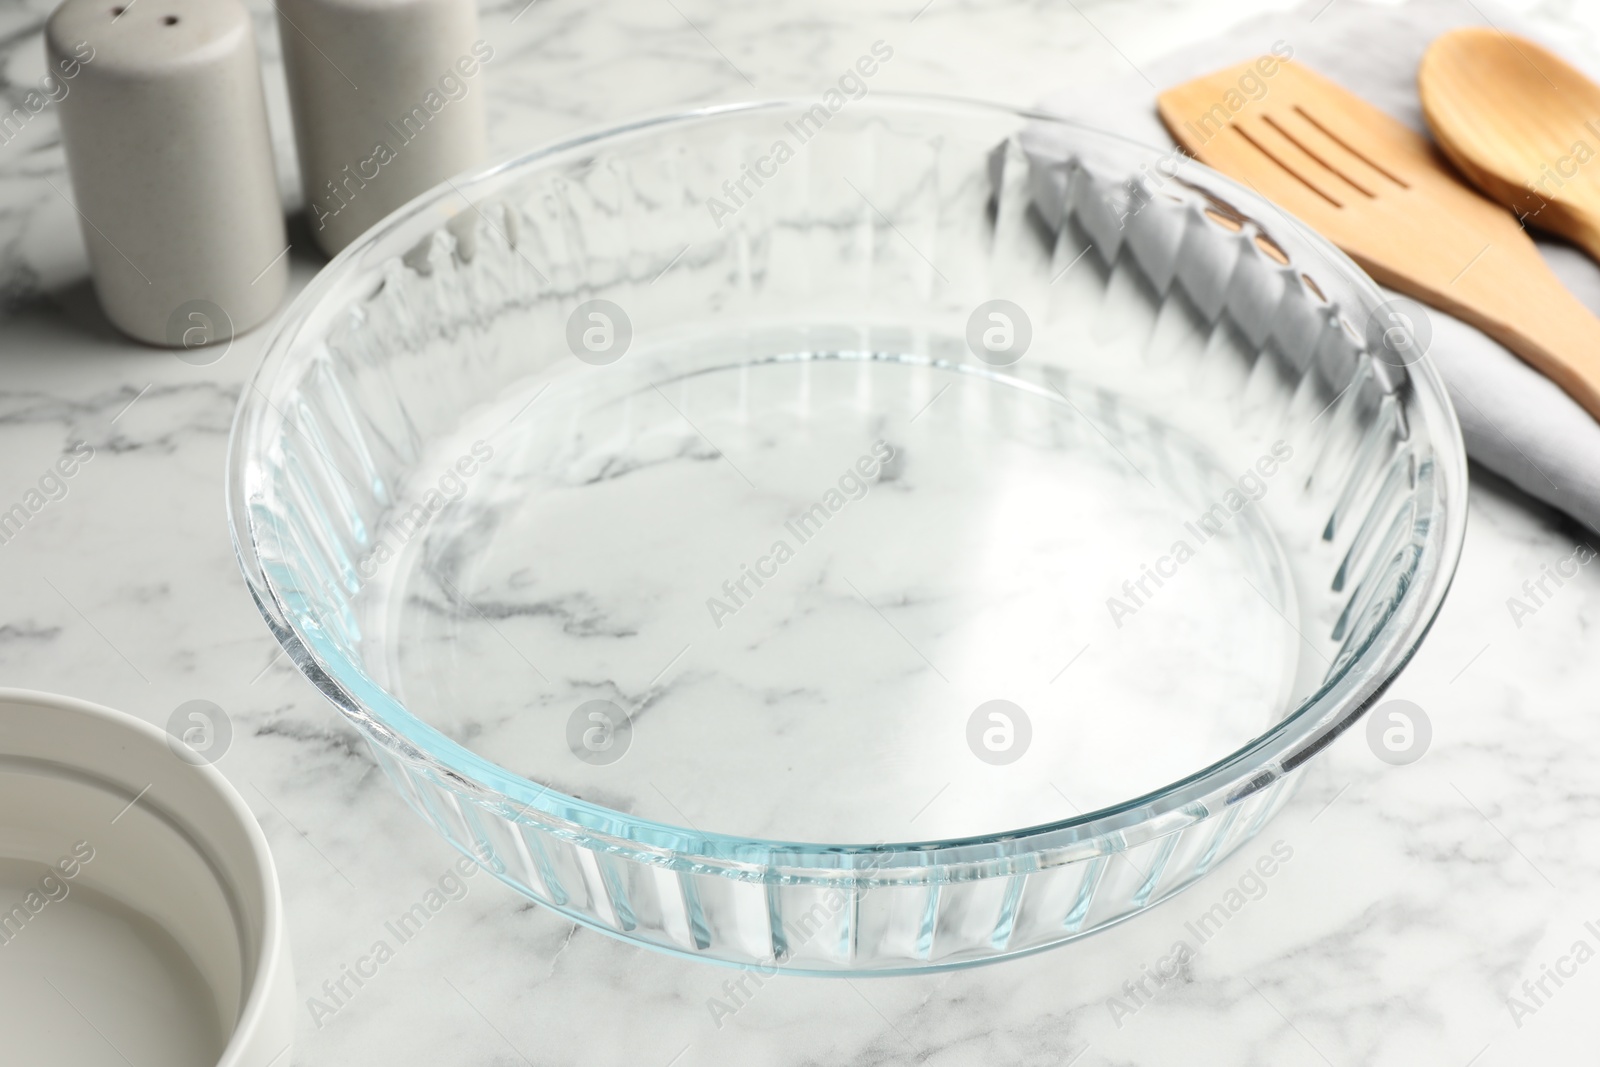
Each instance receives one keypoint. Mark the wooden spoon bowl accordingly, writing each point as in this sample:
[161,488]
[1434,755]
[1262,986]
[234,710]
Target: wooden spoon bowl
[1522,124]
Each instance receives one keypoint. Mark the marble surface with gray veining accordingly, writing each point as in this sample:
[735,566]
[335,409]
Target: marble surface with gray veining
[1427,914]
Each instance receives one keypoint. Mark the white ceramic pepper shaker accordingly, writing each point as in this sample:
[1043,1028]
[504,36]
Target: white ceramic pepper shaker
[388,102]
[165,131]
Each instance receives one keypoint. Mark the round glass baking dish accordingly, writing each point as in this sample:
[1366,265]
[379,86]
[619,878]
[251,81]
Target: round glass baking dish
[858,535]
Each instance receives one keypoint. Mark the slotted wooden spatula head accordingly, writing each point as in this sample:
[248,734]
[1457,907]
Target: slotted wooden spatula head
[1373,186]
[1382,192]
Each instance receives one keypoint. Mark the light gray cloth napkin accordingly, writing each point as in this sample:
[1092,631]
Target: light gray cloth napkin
[1516,422]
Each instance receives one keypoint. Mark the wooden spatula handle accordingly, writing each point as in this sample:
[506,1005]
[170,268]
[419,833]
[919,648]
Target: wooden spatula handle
[1560,338]
[1513,296]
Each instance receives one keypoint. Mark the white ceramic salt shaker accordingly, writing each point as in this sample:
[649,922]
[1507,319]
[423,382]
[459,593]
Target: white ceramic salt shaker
[388,102]
[165,129]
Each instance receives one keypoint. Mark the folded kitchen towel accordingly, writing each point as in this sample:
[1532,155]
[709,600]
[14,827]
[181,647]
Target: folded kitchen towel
[1516,422]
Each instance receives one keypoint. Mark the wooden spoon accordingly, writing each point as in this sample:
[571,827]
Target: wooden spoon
[1521,124]
[1380,191]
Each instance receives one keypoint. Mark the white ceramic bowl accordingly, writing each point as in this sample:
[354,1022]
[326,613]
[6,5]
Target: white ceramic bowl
[140,920]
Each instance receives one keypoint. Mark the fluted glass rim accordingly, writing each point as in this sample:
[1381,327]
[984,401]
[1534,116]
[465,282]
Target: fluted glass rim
[1271,755]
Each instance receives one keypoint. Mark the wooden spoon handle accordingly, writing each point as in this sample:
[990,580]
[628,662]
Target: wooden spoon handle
[1580,226]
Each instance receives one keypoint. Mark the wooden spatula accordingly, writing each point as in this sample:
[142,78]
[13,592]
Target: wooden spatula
[1380,191]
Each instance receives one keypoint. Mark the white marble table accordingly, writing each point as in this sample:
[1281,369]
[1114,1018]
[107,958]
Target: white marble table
[1417,899]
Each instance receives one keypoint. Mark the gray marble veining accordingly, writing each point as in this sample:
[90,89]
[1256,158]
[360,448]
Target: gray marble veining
[1412,904]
